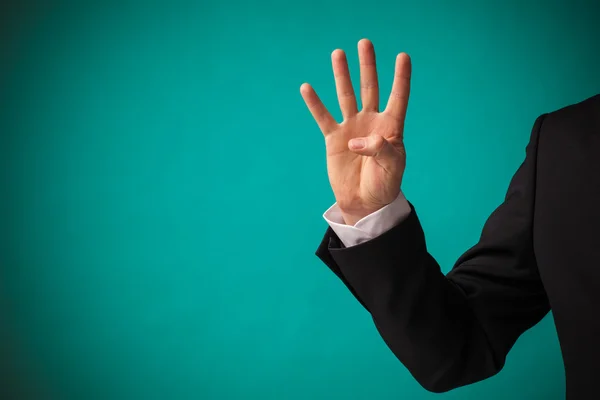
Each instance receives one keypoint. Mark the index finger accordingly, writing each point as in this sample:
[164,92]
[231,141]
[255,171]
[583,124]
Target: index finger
[319,112]
[398,102]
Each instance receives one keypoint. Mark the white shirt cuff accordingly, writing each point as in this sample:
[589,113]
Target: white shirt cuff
[370,226]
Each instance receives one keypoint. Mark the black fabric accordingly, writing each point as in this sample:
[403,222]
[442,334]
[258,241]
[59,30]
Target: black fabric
[539,250]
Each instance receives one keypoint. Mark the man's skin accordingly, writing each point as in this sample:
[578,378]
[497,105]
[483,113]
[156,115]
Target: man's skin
[365,153]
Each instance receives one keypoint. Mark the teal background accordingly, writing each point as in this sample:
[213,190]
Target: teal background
[163,185]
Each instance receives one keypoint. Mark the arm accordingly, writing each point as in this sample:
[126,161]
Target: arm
[457,329]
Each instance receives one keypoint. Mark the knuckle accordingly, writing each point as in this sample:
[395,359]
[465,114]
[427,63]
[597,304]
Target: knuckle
[378,142]
[398,95]
[367,85]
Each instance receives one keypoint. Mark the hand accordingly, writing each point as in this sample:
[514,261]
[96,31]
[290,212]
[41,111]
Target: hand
[365,153]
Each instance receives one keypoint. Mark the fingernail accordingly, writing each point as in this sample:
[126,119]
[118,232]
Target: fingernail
[357,143]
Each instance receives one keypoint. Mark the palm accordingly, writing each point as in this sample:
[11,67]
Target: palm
[364,180]
[353,176]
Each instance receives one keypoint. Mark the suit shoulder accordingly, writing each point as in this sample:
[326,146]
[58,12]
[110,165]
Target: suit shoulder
[583,115]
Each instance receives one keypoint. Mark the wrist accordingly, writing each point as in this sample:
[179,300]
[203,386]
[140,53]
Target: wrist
[352,214]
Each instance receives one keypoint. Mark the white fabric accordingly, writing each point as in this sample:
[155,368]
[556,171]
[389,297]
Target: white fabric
[370,226]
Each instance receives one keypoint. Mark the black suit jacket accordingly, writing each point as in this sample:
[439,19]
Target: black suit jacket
[540,249]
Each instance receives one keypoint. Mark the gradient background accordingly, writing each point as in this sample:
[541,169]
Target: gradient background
[163,185]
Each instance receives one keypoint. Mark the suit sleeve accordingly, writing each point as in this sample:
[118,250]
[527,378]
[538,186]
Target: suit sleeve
[455,329]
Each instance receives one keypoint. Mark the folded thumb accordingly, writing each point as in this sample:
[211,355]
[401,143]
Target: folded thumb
[373,146]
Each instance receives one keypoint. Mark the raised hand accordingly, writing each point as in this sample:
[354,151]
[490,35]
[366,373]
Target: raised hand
[365,153]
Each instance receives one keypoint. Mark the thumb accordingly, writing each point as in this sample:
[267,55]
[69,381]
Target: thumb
[374,146]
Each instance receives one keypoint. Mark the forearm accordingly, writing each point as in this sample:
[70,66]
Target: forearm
[423,317]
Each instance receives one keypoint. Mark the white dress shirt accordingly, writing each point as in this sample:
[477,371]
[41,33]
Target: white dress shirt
[368,227]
